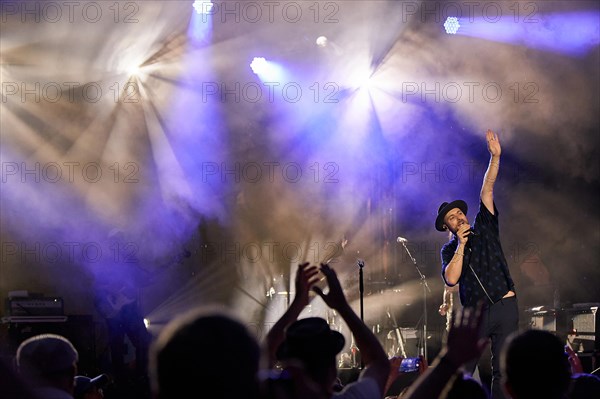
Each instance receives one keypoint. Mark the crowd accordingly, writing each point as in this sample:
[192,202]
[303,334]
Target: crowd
[209,352]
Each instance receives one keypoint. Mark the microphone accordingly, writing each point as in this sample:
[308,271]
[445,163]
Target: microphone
[401,239]
[473,233]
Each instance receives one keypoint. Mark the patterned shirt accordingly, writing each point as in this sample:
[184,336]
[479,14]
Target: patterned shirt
[483,253]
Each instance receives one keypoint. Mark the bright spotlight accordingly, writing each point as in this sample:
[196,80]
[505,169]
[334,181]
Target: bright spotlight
[146,323]
[203,7]
[267,70]
[451,25]
[360,79]
[321,41]
[200,27]
[259,65]
[133,70]
[364,80]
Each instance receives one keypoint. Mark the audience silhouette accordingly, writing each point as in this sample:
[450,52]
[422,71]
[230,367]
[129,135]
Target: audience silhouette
[48,363]
[547,378]
[205,350]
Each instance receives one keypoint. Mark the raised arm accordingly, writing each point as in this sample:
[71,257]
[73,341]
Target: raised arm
[377,365]
[462,345]
[487,188]
[306,277]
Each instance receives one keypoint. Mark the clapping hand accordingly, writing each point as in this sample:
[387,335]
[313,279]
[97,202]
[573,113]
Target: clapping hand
[306,278]
[335,298]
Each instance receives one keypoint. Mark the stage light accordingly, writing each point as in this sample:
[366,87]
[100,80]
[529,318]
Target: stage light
[361,78]
[259,65]
[451,25]
[267,70]
[200,28]
[133,70]
[131,65]
[146,323]
[364,80]
[203,7]
[321,41]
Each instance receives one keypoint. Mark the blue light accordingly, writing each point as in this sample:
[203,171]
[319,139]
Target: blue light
[571,33]
[451,25]
[203,7]
[259,65]
[200,28]
[267,70]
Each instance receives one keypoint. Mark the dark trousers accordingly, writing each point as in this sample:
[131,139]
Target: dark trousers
[130,322]
[499,321]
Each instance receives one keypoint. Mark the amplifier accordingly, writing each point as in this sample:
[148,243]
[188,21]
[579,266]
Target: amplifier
[583,322]
[548,319]
[544,320]
[42,306]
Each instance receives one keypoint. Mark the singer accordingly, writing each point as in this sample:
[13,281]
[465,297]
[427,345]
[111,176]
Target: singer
[473,258]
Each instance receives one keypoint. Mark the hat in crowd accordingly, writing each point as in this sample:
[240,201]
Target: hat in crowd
[447,207]
[46,354]
[83,383]
[309,338]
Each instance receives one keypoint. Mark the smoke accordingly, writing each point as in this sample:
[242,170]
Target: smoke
[185,144]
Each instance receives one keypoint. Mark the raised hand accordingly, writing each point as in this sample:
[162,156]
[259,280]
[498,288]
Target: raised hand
[395,362]
[335,298]
[493,143]
[306,278]
[464,342]
[574,360]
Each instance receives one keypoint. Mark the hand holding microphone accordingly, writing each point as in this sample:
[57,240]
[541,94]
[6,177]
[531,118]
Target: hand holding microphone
[464,233]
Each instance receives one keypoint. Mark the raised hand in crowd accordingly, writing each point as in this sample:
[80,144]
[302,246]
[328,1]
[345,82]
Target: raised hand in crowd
[463,344]
[307,348]
[574,360]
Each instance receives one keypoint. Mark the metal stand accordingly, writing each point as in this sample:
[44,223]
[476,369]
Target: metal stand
[361,287]
[398,332]
[361,290]
[425,290]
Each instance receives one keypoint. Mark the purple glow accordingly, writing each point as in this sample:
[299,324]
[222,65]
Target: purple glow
[574,33]
[200,27]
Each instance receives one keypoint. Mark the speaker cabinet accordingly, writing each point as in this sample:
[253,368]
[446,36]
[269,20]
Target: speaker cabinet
[583,323]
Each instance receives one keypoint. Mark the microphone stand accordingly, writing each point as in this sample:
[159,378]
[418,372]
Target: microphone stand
[361,290]
[425,290]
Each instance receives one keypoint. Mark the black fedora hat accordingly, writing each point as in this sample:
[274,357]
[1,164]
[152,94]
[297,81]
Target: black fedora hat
[309,338]
[445,208]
